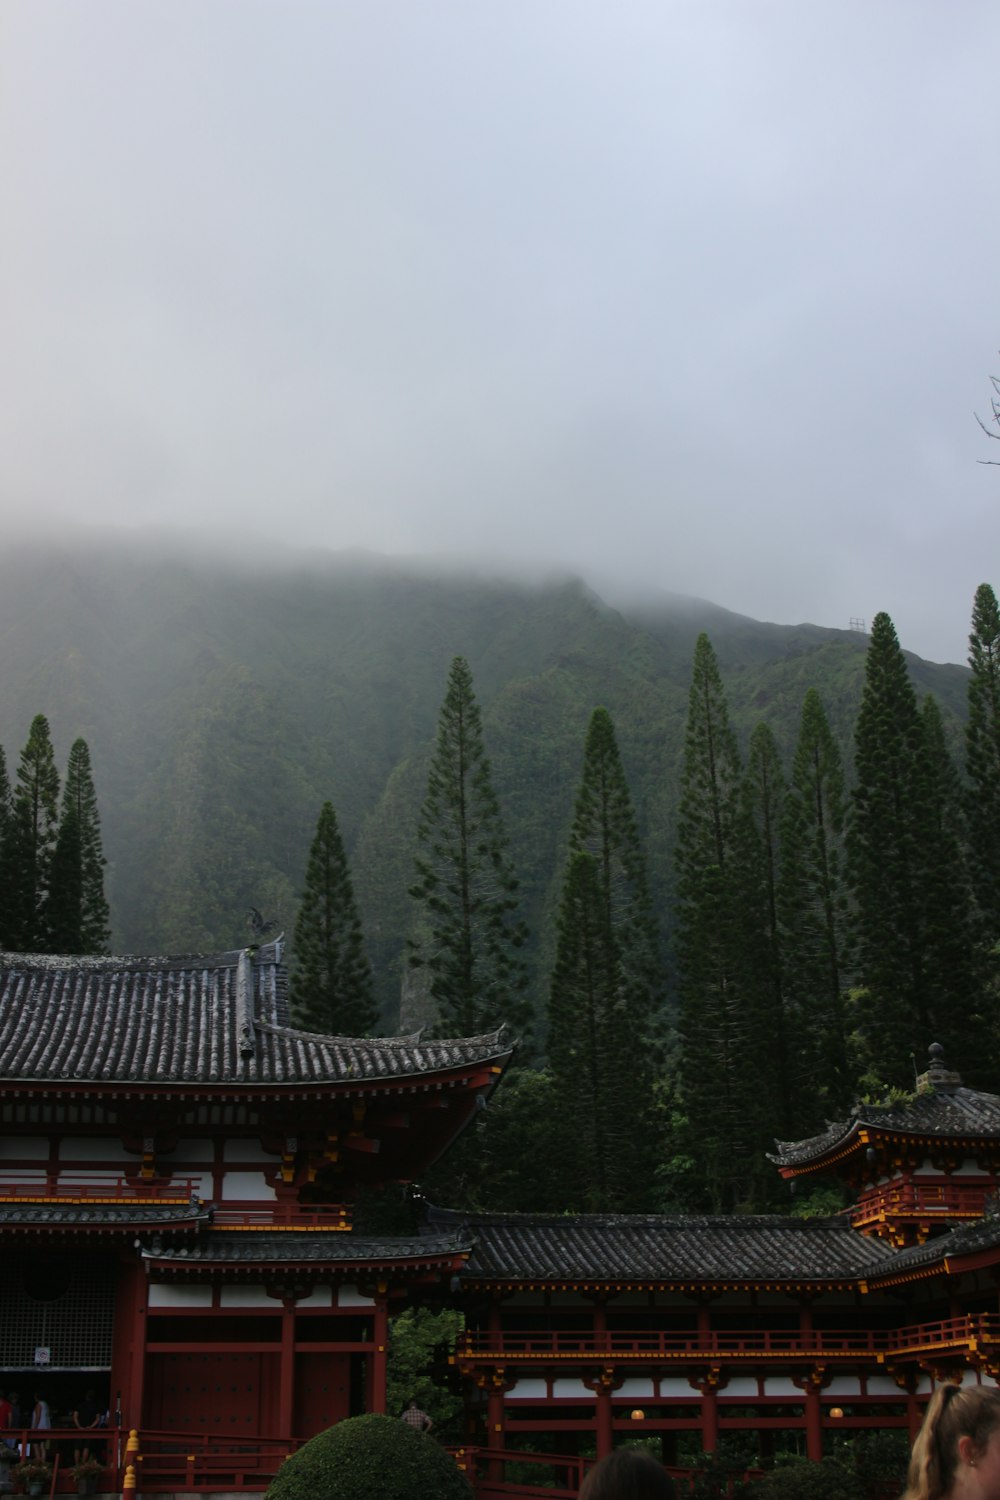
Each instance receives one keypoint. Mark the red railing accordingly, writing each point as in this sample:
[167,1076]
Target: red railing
[98,1188]
[172,1461]
[954,1333]
[940,1199]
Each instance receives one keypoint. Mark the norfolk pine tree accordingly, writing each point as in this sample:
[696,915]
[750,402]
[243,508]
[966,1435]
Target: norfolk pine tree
[6,833]
[910,929]
[813,914]
[722,965]
[78,910]
[982,759]
[469,936]
[331,987]
[765,790]
[33,828]
[605,989]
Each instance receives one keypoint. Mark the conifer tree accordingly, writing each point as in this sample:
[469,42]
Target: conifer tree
[982,758]
[34,824]
[6,834]
[78,910]
[605,989]
[911,930]
[765,790]
[469,937]
[813,915]
[331,987]
[723,968]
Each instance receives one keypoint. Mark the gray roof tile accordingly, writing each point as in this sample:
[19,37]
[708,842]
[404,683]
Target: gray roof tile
[688,1247]
[183,1020]
[291,1248]
[958,1112]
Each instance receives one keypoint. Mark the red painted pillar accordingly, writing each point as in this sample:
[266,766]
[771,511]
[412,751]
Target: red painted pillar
[286,1377]
[133,1415]
[600,1324]
[380,1354]
[605,1432]
[709,1384]
[811,1385]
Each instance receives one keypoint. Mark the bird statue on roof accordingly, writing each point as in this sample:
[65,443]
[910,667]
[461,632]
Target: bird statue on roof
[257,925]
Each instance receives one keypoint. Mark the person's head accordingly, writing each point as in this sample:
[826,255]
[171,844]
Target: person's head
[957,1450]
[627,1474]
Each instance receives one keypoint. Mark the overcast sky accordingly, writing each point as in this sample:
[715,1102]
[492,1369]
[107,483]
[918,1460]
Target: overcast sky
[700,296]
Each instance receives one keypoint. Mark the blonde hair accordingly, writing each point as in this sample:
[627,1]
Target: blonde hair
[952,1413]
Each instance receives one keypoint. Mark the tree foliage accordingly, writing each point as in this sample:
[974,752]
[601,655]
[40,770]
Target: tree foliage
[78,910]
[33,829]
[722,960]
[605,991]
[331,985]
[982,757]
[469,935]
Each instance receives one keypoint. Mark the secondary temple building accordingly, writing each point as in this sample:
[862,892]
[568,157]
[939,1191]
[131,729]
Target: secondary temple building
[178,1169]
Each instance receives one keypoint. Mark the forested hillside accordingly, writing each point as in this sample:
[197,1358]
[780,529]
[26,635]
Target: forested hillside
[225,702]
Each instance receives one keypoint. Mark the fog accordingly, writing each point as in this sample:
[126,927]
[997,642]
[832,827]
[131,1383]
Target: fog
[699,297]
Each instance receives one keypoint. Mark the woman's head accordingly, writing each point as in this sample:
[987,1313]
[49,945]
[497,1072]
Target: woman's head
[951,1447]
[627,1474]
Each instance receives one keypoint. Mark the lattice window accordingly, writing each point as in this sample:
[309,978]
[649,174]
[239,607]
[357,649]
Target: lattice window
[57,1306]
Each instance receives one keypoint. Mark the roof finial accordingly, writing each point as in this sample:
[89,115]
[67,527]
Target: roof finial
[939,1076]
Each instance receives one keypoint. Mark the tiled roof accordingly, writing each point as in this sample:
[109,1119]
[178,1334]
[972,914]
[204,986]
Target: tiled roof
[682,1247]
[290,1248]
[967,1239]
[220,1019]
[959,1112]
[104,1215]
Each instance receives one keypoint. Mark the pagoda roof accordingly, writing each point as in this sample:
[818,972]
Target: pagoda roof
[681,1248]
[943,1108]
[211,1021]
[82,1215]
[334,1250]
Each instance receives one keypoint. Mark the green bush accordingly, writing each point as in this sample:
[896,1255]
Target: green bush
[801,1479]
[370,1458]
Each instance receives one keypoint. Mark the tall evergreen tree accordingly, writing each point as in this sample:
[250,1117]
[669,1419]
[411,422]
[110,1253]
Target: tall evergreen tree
[78,910]
[470,936]
[331,986]
[813,916]
[982,757]
[6,834]
[722,962]
[911,925]
[34,825]
[605,989]
[765,790]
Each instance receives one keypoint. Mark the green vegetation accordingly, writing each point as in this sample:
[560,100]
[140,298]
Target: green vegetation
[468,937]
[331,985]
[369,1458]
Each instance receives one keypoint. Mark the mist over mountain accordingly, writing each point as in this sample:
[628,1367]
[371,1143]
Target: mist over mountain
[226,696]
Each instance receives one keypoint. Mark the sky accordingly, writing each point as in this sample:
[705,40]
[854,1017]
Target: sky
[687,295]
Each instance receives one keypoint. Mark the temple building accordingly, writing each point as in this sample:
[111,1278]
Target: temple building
[179,1169]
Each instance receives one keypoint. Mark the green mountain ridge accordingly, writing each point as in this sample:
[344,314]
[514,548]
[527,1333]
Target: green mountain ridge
[225,700]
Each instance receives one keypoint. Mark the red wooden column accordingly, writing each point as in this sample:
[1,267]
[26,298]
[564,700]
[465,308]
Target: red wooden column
[133,1414]
[602,1385]
[709,1384]
[812,1384]
[907,1381]
[286,1372]
[380,1353]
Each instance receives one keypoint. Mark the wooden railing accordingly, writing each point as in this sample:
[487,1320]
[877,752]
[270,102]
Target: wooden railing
[192,1461]
[98,1189]
[880,1344]
[938,1199]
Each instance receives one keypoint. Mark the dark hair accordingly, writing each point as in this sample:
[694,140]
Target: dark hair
[628,1474]
[952,1414]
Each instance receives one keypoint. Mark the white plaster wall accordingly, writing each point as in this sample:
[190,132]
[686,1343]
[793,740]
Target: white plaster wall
[349,1296]
[572,1389]
[678,1389]
[253,1185]
[320,1296]
[843,1385]
[246,1296]
[163,1295]
[631,1390]
[780,1385]
[527,1390]
[742,1385]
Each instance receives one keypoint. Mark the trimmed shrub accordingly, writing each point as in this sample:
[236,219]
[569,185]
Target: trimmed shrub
[801,1479]
[369,1458]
